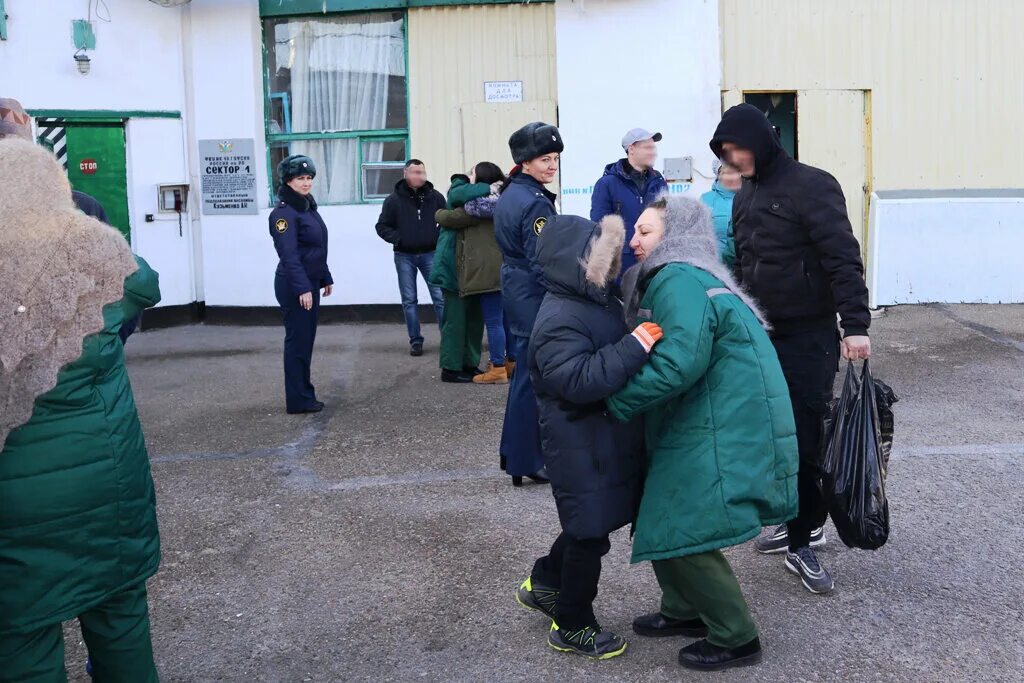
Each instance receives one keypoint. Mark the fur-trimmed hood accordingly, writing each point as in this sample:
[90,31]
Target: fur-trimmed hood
[689,238]
[579,257]
[59,269]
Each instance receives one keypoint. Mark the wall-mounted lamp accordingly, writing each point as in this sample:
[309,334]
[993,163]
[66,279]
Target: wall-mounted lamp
[82,61]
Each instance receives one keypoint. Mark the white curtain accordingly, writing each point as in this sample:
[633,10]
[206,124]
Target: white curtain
[340,71]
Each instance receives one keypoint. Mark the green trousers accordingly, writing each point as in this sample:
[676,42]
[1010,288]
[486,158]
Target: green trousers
[704,586]
[116,634]
[462,332]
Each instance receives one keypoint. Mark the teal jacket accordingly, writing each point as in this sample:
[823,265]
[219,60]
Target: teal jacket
[719,200]
[444,272]
[720,437]
[77,507]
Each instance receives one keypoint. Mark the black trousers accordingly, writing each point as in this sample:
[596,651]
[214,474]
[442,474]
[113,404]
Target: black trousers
[299,335]
[573,567]
[810,361]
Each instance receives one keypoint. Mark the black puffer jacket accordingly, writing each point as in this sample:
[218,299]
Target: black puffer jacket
[580,354]
[795,250]
[407,218]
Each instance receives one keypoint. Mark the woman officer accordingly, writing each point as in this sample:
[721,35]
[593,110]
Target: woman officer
[300,237]
[522,211]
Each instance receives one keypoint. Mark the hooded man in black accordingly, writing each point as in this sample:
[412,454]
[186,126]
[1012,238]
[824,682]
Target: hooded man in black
[796,254]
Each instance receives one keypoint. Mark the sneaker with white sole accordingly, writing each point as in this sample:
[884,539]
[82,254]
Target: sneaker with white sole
[778,540]
[804,563]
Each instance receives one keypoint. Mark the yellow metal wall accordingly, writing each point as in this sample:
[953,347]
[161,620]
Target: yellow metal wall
[452,52]
[944,75]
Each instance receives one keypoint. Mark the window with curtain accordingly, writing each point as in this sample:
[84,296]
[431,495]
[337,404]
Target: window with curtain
[337,92]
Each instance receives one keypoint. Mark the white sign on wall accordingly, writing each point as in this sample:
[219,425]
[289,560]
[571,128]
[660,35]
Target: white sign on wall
[503,91]
[228,175]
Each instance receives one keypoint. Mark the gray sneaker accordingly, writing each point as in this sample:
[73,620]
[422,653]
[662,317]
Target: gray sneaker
[804,563]
[778,540]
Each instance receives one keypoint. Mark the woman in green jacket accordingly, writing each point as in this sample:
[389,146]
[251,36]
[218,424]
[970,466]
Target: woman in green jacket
[467,268]
[720,439]
[78,529]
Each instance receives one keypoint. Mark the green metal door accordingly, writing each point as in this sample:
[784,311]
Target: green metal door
[96,165]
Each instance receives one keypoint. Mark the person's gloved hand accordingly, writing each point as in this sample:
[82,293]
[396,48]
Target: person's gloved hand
[648,334]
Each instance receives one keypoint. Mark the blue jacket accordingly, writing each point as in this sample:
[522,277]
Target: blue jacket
[719,200]
[616,193]
[300,237]
[522,211]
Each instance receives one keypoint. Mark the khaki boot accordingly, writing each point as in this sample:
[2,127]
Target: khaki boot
[510,368]
[494,375]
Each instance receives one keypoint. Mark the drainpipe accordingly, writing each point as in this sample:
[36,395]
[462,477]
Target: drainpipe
[192,159]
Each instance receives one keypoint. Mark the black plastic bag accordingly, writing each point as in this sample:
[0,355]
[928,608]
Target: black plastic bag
[884,398]
[856,458]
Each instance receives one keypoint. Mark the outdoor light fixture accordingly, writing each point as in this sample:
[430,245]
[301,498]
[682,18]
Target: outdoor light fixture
[170,3]
[82,60]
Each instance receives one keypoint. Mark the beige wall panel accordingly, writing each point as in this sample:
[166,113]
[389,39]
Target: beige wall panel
[944,75]
[836,142]
[452,52]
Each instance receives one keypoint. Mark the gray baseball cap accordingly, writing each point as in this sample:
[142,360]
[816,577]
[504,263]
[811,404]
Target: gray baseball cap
[638,134]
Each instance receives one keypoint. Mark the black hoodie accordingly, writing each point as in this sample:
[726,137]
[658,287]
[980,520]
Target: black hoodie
[795,249]
[407,218]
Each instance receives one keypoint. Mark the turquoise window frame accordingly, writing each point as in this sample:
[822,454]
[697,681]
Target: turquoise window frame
[3,22]
[382,135]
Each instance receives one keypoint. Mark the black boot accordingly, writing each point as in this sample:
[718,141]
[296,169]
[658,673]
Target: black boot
[657,625]
[703,656]
[540,476]
[454,377]
[502,462]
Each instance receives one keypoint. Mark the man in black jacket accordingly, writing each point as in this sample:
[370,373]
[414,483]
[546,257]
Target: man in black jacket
[796,254]
[407,222]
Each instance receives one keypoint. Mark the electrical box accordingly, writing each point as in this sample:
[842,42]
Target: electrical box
[172,198]
[678,168]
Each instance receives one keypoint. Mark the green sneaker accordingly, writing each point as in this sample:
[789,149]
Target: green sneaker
[537,598]
[589,641]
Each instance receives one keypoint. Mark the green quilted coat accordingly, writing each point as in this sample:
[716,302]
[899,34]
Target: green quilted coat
[77,508]
[721,443]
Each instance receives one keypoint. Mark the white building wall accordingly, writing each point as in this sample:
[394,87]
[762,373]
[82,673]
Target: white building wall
[238,253]
[635,63]
[136,66]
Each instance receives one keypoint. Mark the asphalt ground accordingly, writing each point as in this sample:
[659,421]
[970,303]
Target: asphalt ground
[378,541]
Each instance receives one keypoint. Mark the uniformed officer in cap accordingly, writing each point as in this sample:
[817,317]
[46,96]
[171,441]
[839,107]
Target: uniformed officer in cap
[525,207]
[300,237]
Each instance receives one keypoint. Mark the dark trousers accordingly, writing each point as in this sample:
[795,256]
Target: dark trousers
[573,567]
[299,335]
[116,633]
[520,433]
[810,361]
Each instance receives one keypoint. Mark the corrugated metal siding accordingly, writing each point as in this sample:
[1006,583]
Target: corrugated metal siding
[452,52]
[943,75]
[836,142]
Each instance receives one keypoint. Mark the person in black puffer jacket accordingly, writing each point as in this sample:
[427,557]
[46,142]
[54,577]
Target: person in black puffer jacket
[580,354]
[796,254]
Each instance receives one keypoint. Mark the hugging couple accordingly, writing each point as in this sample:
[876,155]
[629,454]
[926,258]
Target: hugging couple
[682,427]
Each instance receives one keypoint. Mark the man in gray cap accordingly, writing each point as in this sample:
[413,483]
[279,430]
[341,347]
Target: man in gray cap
[629,185]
